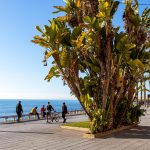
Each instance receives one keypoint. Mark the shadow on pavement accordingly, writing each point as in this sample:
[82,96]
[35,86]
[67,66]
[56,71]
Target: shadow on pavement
[27,132]
[24,121]
[140,132]
[31,122]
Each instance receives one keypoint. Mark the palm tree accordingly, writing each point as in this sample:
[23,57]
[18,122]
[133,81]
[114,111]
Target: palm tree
[100,64]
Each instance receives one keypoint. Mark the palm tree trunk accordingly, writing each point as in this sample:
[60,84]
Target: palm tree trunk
[141,90]
[137,93]
[89,8]
[110,111]
[144,93]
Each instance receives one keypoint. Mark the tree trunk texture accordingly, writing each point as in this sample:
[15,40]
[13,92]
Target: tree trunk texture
[89,8]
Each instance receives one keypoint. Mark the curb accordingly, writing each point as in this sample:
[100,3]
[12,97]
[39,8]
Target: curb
[102,134]
[75,128]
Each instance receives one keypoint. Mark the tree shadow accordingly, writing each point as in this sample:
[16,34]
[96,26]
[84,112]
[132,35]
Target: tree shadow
[140,132]
[28,132]
[37,121]
[21,122]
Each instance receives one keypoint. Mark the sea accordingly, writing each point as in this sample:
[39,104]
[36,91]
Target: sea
[8,107]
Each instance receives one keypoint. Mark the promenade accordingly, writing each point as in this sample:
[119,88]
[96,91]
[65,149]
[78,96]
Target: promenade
[37,135]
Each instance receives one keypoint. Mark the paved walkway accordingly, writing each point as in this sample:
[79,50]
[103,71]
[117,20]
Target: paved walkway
[37,135]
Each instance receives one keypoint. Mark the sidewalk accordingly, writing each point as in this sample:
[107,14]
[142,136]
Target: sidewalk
[37,135]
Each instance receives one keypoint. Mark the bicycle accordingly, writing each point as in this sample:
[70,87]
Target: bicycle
[54,116]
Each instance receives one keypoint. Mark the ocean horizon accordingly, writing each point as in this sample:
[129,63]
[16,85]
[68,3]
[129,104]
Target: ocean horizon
[8,106]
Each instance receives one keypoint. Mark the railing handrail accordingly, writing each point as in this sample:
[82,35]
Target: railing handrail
[24,115]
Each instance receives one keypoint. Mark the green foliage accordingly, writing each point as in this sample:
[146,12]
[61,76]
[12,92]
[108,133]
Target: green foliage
[133,115]
[118,112]
[64,58]
[98,121]
[53,72]
[50,53]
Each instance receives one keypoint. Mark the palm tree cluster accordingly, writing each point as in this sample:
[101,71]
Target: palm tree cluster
[100,64]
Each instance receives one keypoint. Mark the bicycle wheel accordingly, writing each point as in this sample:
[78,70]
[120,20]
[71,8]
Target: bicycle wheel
[56,118]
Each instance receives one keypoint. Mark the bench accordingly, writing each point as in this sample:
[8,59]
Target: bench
[6,117]
[30,115]
[15,117]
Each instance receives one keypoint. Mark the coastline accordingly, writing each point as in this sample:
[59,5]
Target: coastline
[8,107]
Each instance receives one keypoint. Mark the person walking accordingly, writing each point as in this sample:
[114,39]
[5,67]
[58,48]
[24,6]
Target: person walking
[64,112]
[19,110]
[49,110]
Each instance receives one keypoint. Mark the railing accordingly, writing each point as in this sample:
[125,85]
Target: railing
[29,117]
[76,112]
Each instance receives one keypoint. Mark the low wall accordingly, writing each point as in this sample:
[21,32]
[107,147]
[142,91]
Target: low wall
[28,117]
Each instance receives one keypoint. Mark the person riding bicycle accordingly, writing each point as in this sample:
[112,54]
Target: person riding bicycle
[49,110]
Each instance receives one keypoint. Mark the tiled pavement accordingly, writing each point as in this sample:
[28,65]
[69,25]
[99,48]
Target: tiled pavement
[37,135]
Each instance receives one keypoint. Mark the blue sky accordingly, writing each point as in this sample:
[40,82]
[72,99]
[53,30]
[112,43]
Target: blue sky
[21,71]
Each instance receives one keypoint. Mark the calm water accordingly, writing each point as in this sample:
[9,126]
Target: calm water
[8,107]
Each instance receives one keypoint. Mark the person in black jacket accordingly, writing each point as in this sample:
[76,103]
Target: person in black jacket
[49,109]
[19,110]
[64,112]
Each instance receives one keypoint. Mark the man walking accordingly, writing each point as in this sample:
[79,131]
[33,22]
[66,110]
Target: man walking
[64,112]
[19,110]
[49,109]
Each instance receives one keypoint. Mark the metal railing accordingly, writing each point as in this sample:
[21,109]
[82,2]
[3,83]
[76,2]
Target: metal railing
[29,117]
